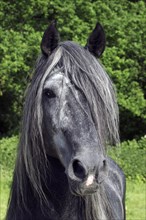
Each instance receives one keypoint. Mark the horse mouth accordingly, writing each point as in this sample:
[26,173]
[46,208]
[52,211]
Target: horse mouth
[89,190]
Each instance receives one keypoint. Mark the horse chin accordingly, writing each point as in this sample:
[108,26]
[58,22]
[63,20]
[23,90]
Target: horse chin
[82,190]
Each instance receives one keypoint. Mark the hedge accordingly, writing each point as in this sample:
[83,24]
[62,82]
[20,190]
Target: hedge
[130,156]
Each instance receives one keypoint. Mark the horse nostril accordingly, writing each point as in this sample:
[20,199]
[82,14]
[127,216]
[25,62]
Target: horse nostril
[79,169]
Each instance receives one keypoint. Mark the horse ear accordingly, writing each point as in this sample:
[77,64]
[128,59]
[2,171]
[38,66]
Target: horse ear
[50,39]
[96,41]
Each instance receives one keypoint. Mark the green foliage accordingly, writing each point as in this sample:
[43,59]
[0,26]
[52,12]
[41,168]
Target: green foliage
[7,160]
[131,157]
[8,153]
[23,23]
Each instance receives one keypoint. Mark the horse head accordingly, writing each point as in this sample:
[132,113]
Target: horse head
[70,131]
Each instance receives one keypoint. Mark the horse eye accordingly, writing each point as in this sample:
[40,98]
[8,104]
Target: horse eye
[49,93]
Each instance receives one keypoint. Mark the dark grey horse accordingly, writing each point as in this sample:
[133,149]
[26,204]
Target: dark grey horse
[70,116]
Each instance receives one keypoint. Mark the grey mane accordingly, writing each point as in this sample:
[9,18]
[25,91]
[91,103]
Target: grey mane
[87,74]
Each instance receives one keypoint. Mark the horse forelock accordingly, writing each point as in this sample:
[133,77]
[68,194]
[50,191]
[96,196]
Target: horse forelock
[86,72]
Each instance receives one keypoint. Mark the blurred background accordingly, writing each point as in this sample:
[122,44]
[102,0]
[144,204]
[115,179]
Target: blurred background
[22,25]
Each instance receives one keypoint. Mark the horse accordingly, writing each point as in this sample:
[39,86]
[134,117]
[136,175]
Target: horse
[70,119]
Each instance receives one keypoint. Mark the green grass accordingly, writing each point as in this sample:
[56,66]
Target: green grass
[5,182]
[135,198]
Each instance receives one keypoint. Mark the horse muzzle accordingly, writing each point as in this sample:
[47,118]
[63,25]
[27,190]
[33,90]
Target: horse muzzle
[84,177]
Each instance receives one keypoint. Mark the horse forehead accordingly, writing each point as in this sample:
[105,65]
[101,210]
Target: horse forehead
[57,79]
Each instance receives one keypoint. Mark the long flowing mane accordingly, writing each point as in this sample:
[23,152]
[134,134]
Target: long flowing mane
[89,76]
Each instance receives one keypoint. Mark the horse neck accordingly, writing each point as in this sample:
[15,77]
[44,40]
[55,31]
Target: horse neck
[57,179]
[58,188]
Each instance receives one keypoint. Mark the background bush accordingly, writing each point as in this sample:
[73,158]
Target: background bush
[8,152]
[130,156]
[22,25]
